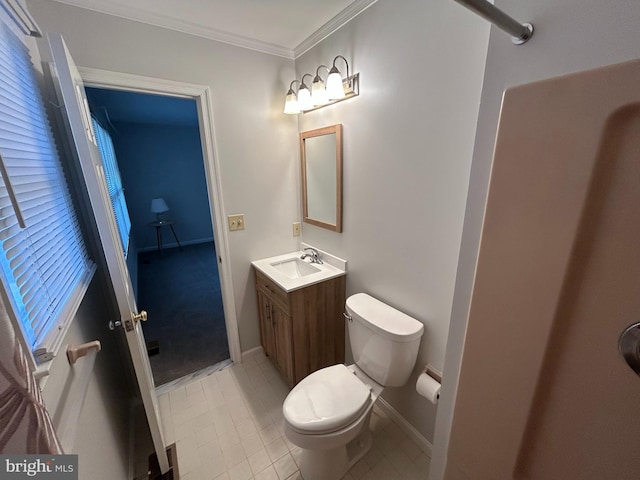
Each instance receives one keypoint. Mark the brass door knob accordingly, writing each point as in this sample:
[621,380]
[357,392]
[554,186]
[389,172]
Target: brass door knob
[139,316]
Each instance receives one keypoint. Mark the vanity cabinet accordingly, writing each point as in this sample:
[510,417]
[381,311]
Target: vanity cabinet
[275,333]
[303,330]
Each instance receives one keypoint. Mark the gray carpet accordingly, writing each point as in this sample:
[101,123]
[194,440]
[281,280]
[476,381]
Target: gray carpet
[180,290]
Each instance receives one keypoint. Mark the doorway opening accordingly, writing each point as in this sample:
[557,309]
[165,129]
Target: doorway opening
[172,254]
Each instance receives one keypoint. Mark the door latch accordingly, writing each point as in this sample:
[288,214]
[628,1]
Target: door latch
[130,325]
[113,325]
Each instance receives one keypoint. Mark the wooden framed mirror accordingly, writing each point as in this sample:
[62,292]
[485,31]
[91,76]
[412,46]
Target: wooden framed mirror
[321,162]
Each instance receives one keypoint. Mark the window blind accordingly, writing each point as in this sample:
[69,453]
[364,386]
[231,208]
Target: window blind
[114,183]
[45,266]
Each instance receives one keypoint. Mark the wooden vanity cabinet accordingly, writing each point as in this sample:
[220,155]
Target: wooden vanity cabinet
[301,331]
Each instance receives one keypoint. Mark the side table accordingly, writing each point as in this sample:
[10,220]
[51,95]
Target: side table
[164,223]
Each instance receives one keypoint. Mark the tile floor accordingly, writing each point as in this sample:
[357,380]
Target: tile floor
[228,426]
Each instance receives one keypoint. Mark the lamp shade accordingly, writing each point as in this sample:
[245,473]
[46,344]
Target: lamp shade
[158,205]
[335,90]
[318,93]
[291,104]
[304,98]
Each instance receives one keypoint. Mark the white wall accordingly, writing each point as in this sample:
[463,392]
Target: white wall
[255,144]
[408,141]
[570,35]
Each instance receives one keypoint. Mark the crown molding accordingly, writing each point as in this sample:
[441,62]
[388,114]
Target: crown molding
[345,16]
[158,20]
[164,21]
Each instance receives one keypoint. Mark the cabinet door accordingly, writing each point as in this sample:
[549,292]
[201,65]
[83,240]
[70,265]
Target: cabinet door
[283,342]
[267,336]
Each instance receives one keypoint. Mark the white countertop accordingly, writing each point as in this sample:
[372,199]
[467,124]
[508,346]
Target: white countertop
[326,271]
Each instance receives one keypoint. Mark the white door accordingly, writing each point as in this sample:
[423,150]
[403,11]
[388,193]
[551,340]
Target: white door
[71,90]
[544,391]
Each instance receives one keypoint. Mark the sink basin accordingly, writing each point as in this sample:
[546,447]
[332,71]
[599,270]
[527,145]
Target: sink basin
[295,268]
[290,272]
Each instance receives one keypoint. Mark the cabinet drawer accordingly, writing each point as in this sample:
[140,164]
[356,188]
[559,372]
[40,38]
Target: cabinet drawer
[271,289]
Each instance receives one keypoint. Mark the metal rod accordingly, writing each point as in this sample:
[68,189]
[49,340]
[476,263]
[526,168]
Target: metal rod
[520,32]
[13,198]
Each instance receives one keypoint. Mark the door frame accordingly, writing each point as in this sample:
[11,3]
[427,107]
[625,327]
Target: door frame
[93,77]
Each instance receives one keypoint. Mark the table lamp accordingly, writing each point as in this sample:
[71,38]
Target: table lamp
[159,207]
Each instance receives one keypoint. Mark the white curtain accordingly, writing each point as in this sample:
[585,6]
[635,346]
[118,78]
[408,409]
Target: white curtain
[25,424]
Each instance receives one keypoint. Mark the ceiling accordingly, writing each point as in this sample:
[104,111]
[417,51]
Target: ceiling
[115,107]
[280,27]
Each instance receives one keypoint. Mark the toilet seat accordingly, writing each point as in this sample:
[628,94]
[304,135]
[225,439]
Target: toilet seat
[326,401]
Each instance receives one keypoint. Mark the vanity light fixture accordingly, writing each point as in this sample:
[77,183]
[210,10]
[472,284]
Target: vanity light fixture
[336,90]
[304,94]
[291,100]
[318,89]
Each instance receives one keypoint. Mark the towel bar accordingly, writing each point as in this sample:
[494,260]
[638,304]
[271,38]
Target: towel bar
[74,352]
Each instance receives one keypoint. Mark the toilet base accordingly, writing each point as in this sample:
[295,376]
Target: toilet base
[334,463]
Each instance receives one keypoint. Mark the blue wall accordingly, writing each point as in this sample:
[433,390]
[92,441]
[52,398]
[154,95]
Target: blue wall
[163,161]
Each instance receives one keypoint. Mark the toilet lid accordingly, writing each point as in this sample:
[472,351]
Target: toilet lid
[325,401]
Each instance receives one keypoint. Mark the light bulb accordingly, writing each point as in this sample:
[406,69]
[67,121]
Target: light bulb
[318,93]
[335,90]
[304,98]
[291,104]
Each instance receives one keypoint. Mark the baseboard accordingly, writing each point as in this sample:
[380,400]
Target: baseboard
[252,352]
[175,245]
[405,426]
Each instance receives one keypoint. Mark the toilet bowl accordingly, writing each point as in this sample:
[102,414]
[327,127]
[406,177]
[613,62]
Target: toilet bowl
[327,414]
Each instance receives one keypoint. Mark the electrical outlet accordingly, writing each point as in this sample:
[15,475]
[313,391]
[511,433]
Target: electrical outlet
[236,222]
[297,229]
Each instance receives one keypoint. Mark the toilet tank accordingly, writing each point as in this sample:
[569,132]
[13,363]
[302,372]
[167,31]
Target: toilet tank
[384,341]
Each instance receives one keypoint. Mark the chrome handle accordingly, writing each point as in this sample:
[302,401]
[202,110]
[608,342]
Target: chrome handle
[347,316]
[629,345]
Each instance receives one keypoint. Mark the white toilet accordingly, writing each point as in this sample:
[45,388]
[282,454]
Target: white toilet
[327,414]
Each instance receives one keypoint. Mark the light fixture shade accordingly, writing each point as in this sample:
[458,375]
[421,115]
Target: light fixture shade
[291,104]
[335,90]
[322,93]
[304,98]
[318,93]
[158,205]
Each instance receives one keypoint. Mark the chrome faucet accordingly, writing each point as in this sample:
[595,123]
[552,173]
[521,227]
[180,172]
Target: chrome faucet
[313,255]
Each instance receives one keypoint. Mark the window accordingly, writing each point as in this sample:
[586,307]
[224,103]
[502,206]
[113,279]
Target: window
[114,183]
[44,266]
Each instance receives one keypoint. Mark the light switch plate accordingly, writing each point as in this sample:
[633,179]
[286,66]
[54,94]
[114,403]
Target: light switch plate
[236,222]
[297,229]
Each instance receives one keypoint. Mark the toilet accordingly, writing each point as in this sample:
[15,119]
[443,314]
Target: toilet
[327,414]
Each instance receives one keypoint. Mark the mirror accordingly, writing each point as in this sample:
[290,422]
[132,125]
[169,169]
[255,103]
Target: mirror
[321,157]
